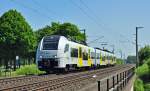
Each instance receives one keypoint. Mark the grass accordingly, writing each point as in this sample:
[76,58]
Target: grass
[8,73]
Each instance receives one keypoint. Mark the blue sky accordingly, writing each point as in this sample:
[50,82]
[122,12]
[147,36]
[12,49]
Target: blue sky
[114,19]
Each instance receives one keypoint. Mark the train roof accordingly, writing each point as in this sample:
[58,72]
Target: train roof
[51,37]
[103,50]
[98,48]
[57,37]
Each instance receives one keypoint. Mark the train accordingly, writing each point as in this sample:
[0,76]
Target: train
[57,52]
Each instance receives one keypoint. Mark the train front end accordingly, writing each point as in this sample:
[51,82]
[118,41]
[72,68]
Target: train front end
[46,57]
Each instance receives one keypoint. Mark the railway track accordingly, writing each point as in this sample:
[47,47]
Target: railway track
[49,82]
[77,80]
[17,81]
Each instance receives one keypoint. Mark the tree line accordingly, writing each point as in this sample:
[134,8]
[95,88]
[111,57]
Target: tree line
[17,38]
[142,82]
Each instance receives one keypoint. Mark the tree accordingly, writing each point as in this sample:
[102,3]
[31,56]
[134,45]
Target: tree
[16,36]
[68,30]
[138,85]
[144,54]
[43,32]
[131,59]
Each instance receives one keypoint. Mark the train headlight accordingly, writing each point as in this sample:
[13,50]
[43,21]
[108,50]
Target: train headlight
[55,56]
[94,76]
[40,56]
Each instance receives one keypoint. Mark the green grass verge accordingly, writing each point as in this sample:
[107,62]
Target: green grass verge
[29,70]
[22,71]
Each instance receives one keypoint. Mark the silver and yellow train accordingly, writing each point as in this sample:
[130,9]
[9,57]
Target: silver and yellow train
[57,52]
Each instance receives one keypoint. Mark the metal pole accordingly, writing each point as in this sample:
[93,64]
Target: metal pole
[99,88]
[117,82]
[113,81]
[137,60]
[137,56]
[108,84]
[120,54]
[84,36]
[123,79]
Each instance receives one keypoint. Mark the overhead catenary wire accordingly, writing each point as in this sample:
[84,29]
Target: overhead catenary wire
[84,12]
[48,17]
[95,39]
[45,8]
[31,9]
[92,12]
[89,9]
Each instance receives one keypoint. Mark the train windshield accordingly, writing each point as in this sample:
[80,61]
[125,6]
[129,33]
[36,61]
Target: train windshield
[50,43]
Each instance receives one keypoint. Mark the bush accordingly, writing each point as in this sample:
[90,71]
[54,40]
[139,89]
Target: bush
[148,63]
[119,61]
[147,87]
[138,85]
[29,70]
[142,70]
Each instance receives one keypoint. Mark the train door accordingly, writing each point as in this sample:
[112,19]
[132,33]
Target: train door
[105,57]
[89,58]
[108,58]
[101,60]
[67,54]
[95,56]
[80,60]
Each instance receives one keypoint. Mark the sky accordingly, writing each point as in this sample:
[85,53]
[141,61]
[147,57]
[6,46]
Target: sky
[109,21]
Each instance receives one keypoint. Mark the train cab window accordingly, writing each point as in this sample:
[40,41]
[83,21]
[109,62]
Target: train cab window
[50,42]
[50,46]
[74,52]
[66,48]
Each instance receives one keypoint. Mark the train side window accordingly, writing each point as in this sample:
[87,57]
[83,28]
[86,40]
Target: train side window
[106,57]
[74,52]
[89,55]
[80,52]
[93,55]
[85,56]
[66,48]
[103,58]
[112,58]
[98,56]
